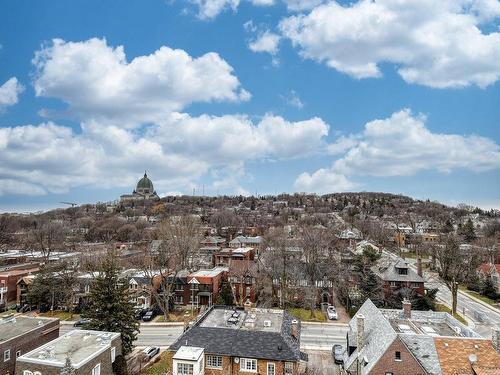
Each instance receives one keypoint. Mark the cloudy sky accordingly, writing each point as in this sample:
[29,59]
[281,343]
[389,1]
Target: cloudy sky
[249,96]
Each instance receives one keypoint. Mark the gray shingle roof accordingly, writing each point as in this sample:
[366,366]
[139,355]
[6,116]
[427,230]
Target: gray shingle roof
[386,269]
[280,346]
[424,350]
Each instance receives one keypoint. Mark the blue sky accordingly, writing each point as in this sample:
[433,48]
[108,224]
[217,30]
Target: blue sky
[248,96]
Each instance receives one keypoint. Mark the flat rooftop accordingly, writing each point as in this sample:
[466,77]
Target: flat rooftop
[189,353]
[17,326]
[265,320]
[209,273]
[79,345]
[430,323]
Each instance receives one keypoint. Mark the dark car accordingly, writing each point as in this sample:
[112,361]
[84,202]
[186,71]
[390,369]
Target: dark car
[140,313]
[338,354]
[149,316]
[81,322]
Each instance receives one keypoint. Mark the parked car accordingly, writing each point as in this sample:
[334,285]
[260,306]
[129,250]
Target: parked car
[151,351]
[338,354]
[139,313]
[81,322]
[149,316]
[332,313]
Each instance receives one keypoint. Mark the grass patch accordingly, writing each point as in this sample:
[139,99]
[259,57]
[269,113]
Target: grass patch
[485,299]
[62,315]
[177,316]
[443,308]
[306,315]
[161,366]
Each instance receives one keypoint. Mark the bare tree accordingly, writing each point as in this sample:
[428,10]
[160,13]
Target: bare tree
[45,237]
[180,241]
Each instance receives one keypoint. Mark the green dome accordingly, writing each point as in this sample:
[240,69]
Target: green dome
[145,184]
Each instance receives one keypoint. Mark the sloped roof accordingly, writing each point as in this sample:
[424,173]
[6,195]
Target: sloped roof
[423,349]
[386,269]
[379,335]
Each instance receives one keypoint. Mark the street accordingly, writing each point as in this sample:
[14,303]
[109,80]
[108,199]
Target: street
[322,336]
[150,334]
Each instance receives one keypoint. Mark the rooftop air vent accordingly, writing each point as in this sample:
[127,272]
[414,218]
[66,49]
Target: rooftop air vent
[267,323]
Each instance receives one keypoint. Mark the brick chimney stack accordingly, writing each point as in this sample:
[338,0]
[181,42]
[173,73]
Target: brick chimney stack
[406,308]
[360,335]
[295,329]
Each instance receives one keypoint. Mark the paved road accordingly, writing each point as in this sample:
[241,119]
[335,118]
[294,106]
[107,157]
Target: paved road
[322,336]
[162,336]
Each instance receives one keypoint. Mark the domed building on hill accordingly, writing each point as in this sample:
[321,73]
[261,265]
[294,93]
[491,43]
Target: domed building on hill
[143,191]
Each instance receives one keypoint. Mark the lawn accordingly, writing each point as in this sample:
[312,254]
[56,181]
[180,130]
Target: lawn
[306,315]
[62,315]
[160,367]
[177,316]
[485,299]
[444,308]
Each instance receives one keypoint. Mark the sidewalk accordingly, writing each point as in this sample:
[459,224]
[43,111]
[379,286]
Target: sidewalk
[492,308]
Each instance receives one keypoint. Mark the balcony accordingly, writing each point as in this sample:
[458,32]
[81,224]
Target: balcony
[201,288]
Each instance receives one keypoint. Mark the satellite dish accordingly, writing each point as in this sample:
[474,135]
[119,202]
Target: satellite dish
[473,358]
[236,360]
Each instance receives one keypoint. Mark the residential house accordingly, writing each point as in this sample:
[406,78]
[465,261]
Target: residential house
[205,285]
[244,241]
[22,289]
[8,285]
[397,276]
[19,335]
[492,271]
[399,342]
[90,353]
[243,279]
[238,341]
[226,256]
[140,289]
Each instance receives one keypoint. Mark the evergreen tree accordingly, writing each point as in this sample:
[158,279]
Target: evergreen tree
[68,368]
[447,227]
[467,231]
[120,365]
[225,296]
[109,307]
[488,288]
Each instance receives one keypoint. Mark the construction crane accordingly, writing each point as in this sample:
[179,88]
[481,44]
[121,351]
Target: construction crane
[70,204]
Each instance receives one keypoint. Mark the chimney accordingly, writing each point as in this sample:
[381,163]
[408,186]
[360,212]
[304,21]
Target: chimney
[295,328]
[360,336]
[247,305]
[406,308]
[495,338]
[419,267]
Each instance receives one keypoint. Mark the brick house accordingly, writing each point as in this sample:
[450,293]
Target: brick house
[238,341]
[22,289]
[226,256]
[399,342]
[204,286]
[8,284]
[19,335]
[90,353]
[244,241]
[397,275]
[243,279]
[492,271]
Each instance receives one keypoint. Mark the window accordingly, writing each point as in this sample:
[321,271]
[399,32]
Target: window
[247,364]
[179,299]
[393,283]
[113,354]
[271,369]
[6,355]
[288,368]
[389,373]
[37,373]
[214,361]
[97,370]
[27,372]
[247,292]
[87,288]
[184,369]
[179,287]
[18,354]
[398,356]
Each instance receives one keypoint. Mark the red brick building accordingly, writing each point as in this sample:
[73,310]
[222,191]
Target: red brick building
[8,284]
[204,286]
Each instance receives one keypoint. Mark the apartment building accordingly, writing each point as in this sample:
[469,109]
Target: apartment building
[239,341]
[90,353]
[19,335]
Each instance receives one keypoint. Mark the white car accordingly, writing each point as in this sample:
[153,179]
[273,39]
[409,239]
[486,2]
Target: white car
[331,313]
[151,351]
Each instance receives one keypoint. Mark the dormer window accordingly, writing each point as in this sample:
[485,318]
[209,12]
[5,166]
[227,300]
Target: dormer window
[402,271]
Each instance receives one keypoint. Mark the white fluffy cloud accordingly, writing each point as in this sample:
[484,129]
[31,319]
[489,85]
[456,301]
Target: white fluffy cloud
[323,181]
[53,158]
[437,44]
[209,9]
[401,145]
[301,5]
[9,93]
[97,81]
[265,42]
